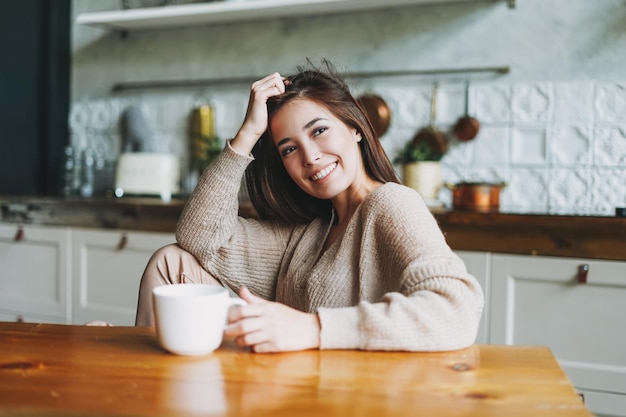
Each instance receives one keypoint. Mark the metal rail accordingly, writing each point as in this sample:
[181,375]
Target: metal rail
[160,84]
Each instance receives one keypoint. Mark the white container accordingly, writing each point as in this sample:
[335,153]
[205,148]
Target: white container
[425,178]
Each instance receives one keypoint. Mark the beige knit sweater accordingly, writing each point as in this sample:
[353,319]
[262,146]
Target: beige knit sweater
[389,283]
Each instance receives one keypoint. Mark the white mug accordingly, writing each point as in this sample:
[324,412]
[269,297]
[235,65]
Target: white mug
[190,318]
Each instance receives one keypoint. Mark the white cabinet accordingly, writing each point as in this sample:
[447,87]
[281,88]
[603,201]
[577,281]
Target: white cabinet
[62,275]
[478,264]
[539,301]
[34,273]
[107,270]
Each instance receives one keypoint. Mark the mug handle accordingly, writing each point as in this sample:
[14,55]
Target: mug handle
[234,301]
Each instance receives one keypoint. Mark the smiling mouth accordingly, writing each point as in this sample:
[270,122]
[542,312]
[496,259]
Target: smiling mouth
[323,173]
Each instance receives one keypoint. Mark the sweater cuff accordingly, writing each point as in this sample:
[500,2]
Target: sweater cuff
[340,328]
[231,149]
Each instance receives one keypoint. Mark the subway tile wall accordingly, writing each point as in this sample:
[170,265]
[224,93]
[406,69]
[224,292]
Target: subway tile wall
[559,146]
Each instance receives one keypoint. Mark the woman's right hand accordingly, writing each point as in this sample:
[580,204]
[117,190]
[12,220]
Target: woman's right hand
[255,122]
[267,326]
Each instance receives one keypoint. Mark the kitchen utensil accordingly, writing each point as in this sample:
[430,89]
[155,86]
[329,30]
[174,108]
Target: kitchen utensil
[476,196]
[429,137]
[466,128]
[377,111]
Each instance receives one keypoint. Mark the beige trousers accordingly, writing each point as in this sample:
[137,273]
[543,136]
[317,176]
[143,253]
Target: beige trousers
[169,265]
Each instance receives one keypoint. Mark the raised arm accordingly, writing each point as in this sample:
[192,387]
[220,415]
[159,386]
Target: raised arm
[235,250]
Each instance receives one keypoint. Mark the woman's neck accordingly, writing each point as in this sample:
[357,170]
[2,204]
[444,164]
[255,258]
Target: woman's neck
[347,202]
[344,207]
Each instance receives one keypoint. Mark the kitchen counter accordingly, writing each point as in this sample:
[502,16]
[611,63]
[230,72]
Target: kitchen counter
[128,213]
[597,237]
[536,234]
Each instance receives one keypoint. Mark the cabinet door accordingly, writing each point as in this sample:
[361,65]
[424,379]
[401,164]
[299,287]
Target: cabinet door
[107,270]
[477,264]
[28,317]
[539,301]
[34,277]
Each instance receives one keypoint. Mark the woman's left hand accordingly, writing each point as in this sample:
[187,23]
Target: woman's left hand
[267,326]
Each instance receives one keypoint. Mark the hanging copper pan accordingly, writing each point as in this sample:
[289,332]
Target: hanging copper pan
[377,111]
[430,136]
[467,127]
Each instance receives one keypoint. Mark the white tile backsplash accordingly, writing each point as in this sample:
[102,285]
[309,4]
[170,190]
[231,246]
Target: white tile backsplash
[529,146]
[527,191]
[571,102]
[610,146]
[571,145]
[610,103]
[410,107]
[570,187]
[493,103]
[608,189]
[532,103]
[461,154]
[554,158]
[491,146]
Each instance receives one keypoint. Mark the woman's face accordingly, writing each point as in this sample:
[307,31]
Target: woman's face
[320,153]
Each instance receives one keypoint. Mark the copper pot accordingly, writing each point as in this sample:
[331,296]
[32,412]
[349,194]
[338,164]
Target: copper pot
[476,196]
[377,111]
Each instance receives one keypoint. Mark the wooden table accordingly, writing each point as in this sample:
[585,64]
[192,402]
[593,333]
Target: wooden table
[62,370]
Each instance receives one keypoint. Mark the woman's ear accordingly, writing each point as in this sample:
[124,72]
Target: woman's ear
[358,136]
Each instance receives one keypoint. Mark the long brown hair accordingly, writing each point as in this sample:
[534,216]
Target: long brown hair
[272,192]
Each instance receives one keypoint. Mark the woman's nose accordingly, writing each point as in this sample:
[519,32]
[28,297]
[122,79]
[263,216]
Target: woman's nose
[311,154]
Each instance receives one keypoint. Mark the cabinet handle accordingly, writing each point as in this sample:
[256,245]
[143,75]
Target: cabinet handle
[123,242]
[19,234]
[583,271]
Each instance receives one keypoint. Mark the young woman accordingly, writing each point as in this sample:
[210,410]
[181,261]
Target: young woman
[341,257]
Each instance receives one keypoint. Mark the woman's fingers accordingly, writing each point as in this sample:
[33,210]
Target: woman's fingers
[248,297]
[255,122]
[267,87]
[259,339]
[251,309]
[269,326]
[272,84]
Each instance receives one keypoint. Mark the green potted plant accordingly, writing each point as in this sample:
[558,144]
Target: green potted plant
[421,162]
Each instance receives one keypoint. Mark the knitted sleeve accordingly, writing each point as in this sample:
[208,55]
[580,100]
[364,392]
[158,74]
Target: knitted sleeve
[435,303]
[235,250]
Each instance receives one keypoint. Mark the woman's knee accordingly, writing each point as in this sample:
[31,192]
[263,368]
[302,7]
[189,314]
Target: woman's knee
[171,264]
[167,253]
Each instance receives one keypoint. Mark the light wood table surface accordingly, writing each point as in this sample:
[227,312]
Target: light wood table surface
[63,370]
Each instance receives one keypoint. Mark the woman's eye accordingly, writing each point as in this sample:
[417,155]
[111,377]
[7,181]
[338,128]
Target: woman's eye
[319,131]
[287,150]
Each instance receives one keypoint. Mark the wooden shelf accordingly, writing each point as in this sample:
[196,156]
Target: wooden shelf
[238,11]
